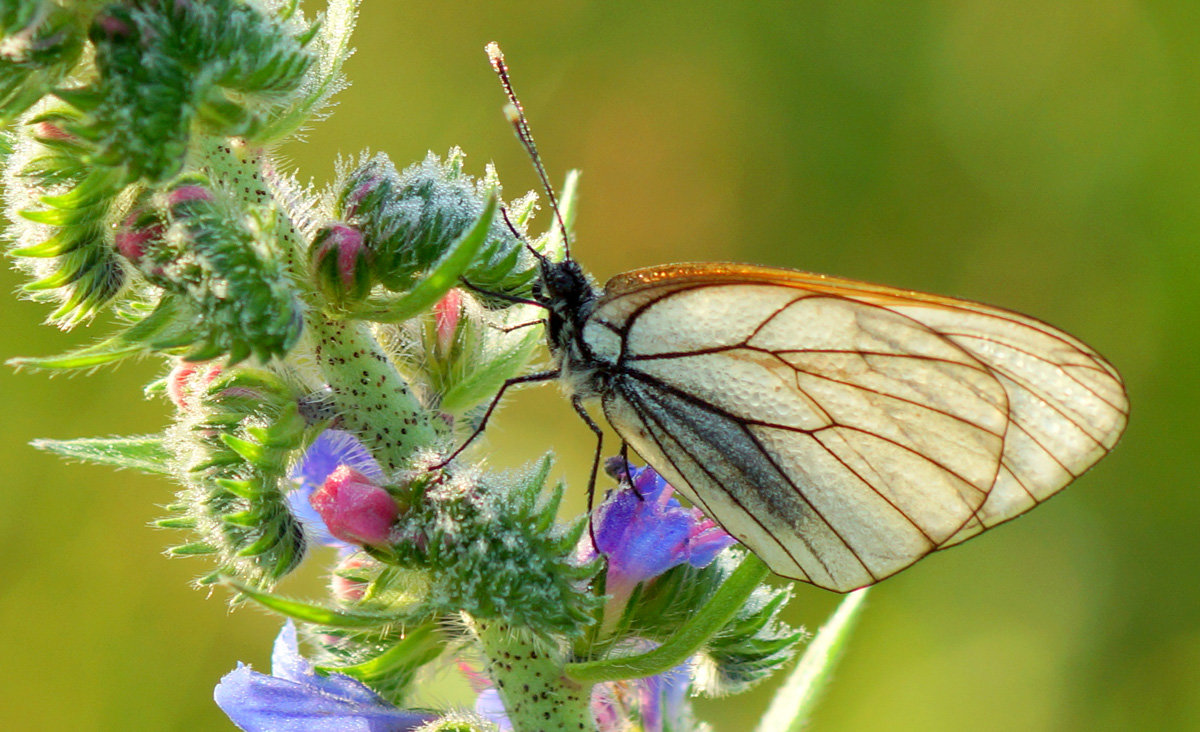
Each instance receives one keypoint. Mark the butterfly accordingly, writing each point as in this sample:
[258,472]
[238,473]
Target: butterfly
[841,430]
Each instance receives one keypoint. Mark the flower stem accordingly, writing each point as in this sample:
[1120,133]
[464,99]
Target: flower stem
[372,399]
[690,637]
[537,696]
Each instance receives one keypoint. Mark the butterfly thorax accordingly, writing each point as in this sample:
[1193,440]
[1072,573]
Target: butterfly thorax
[564,290]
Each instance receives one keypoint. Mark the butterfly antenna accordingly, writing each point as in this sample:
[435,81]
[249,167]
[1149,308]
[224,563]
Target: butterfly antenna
[516,117]
[519,235]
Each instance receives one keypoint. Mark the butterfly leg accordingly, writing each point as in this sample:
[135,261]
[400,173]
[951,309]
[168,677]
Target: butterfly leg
[629,470]
[591,490]
[518,326]
[526,379]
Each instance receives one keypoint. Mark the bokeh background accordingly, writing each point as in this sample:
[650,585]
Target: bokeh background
[1039,154]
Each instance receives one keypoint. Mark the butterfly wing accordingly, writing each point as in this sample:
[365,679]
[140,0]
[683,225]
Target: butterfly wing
[844,430]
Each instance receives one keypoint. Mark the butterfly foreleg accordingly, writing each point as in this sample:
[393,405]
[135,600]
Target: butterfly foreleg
[514,381]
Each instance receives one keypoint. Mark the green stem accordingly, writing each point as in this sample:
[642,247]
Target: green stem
[690,637]
[372,399]
[528,674]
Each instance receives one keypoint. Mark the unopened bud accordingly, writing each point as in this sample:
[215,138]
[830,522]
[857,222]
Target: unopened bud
[187,193]
[446,314]
[187,380]
[341,262]
[136,232]
[354,509]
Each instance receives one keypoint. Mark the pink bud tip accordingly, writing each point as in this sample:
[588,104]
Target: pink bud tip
[346,589]
[131,239]
[349,243]
[446,314]
[186,380]
[183,194]
[354,509]
[114,27]
[48,131]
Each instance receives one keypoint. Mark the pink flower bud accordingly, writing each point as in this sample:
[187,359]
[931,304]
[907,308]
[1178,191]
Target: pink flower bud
[354,509]
[361,190]
[135,232]
[446,314]
[347,243]
[346,589]
[113,27]
[341,262]
[186,193]
[186,380]
[48,131]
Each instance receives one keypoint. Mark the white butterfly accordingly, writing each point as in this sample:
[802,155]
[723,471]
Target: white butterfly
[840,430]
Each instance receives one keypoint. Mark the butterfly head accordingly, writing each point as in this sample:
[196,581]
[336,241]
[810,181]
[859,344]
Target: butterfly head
[565,291]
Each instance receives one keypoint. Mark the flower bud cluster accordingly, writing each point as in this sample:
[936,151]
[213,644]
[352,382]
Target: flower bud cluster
[210,250]
[237,432]
[219,67]
[409,220]
[492,549]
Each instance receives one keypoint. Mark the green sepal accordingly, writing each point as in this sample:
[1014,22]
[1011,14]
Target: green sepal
[687,638]
[44,41]
[182,522]
[249,451]
[393,670]
[146,453]
[195,549]
[481,383]
[434,285]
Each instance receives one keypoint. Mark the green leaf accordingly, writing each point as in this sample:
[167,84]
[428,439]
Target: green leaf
[480,384]
[795,700]
[309,613]
[145,453]
[140,338]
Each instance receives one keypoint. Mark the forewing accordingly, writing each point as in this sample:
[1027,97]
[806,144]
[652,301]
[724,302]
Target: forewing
[844,430]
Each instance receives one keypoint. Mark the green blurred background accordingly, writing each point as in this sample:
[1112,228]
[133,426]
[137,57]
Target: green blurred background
[1041,155]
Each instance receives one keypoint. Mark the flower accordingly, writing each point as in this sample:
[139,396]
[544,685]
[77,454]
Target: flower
[644,530]
[354,509]
[295,698]
[333,448]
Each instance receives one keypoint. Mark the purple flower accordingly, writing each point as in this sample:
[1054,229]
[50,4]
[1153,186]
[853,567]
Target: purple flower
[295,698]
[333,448]
[490,706]
[644,537]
